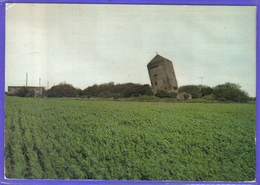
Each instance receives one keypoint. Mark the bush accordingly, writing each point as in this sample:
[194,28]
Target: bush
[63,90]
[186,96]
[162,94]
[172,95]
[230,92]
[206,90]
[110,90]
[137,90]
[209,97]
[193,90]
[25,92]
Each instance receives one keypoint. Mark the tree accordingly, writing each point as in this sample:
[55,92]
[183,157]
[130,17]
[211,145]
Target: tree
[193,90]
[109,90]
[145,90]
[137,90]
[79,92]
[63,90]
[205,90]
[230,92]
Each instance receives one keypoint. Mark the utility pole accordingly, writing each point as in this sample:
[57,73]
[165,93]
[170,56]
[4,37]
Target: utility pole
[26,79]
[201,79]
[39,82]
[47,85]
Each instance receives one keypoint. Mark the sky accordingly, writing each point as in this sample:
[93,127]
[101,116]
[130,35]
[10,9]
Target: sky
[87,44]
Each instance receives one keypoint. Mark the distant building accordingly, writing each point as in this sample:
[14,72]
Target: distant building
[38,91]
[162,75]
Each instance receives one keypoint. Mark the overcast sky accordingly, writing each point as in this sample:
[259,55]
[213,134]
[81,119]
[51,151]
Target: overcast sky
[93,44]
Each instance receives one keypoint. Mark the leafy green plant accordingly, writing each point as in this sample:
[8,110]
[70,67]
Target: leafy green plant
[82,139]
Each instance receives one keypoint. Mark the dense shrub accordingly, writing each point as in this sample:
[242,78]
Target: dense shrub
[63,90]
[186,96]
[193,90]
[162,94]
[25,92]
[172,94]
[137,90]
[230,92]
[209,97]
[206,90]
[110,90]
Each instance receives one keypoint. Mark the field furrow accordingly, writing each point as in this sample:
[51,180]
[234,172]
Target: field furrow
[82,139]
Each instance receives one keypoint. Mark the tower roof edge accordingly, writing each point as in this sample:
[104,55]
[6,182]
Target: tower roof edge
[157,57]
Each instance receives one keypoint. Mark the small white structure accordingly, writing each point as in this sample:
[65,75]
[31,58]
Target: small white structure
[38,91]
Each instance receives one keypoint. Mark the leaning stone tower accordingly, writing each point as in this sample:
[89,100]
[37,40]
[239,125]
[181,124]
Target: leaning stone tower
[162,75]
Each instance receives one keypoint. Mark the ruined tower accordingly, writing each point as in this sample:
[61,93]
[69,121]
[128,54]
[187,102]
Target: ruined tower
[162,74]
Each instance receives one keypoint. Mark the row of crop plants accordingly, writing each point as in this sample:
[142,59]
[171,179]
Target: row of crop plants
[69,139]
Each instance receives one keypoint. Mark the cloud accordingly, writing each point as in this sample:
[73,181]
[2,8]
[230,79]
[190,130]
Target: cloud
[88,44]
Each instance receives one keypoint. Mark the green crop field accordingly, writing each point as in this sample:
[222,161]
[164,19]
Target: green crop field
[83,139]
